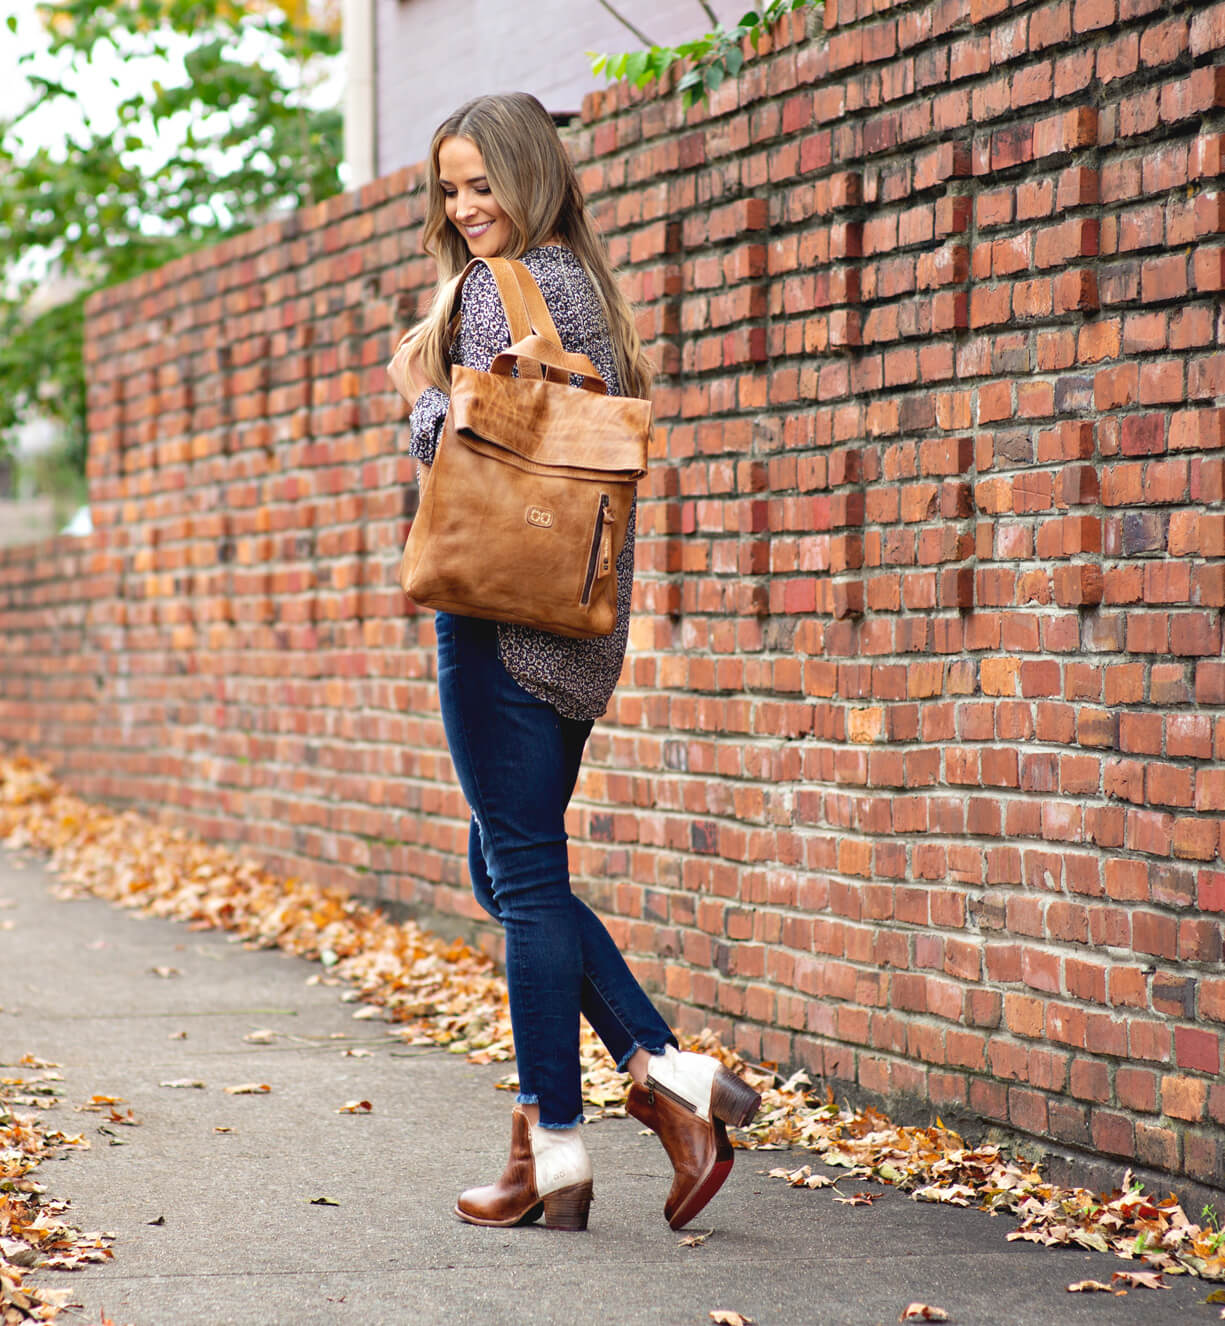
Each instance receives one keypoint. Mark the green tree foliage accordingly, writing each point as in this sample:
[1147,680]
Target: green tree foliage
[716,56]
[214,131]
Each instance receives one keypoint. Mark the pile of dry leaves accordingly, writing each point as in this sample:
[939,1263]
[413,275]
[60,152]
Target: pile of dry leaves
[935,1165]
[447,994]
[32,1230]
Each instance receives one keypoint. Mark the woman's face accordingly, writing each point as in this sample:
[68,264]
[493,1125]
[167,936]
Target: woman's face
[471,207]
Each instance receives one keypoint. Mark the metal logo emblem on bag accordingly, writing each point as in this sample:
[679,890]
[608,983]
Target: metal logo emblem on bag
[540,516]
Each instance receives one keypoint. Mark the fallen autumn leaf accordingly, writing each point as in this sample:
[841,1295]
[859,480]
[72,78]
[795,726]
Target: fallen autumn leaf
[1139,1279]
[923,1312]
[95,1104]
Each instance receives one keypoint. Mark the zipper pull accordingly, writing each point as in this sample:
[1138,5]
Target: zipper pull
[606,516]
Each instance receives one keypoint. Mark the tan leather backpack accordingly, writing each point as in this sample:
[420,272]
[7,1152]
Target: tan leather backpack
[524,510]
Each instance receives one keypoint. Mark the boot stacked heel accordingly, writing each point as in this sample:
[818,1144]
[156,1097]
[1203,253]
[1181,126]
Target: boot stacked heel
[567,1208]
[732,1099]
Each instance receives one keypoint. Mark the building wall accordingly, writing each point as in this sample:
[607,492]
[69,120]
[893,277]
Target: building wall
[433,55]
[915,772]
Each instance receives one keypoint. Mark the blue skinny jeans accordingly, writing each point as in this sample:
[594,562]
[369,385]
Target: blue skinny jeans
[517,760]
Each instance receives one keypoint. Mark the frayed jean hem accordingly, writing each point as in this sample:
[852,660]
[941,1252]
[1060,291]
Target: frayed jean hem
[561,1127]
[527,1098]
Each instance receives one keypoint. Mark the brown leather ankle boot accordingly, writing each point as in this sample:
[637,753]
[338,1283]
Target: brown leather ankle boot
[549,1174]
[698,1148]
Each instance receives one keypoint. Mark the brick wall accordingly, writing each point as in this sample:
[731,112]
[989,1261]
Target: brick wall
[914,775]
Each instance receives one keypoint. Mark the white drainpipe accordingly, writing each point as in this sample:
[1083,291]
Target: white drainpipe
[361,128]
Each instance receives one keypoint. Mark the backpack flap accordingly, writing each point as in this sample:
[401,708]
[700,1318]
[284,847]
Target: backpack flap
[551,424]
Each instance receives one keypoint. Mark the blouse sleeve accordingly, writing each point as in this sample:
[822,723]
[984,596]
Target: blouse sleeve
[483,334]
[425,424]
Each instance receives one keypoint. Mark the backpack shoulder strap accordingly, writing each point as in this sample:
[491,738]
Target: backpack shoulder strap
[509,293]
[533,301]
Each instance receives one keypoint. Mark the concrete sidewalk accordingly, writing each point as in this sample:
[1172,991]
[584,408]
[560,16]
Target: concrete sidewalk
[239,1241]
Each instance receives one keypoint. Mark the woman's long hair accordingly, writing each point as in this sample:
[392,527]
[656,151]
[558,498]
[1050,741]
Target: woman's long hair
[534,183]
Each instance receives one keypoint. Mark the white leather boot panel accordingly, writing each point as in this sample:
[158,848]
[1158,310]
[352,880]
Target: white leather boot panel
[560,1158]
[688,1078]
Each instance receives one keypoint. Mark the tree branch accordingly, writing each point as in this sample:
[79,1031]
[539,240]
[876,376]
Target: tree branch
[710,13]
[625,23]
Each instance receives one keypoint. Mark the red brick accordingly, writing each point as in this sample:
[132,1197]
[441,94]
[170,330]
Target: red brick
[1074,71]
[1197,1049]
[1076,291]
[1089,1080]
[1112,1133]
[1207,157]
[1164,42]
[1136,1089]
[1065,132]
[1212,999]
[1208,268]
[1157,1146]
[1027,1110]
[1149,1040]
[1163,278]
[1088,15]
[1196,840]
[1169,785]
[1208,30]
[1200,940]
[1202,1157]
[1197,430]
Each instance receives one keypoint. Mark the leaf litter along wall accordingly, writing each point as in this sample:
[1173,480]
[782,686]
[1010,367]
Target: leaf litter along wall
[914,773]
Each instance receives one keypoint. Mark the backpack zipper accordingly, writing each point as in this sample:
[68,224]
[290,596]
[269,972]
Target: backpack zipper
[600,558]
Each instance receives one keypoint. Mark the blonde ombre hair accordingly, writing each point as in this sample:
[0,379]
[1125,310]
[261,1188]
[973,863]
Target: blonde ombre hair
[534,183]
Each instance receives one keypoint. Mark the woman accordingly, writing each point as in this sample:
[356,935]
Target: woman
[518,703]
